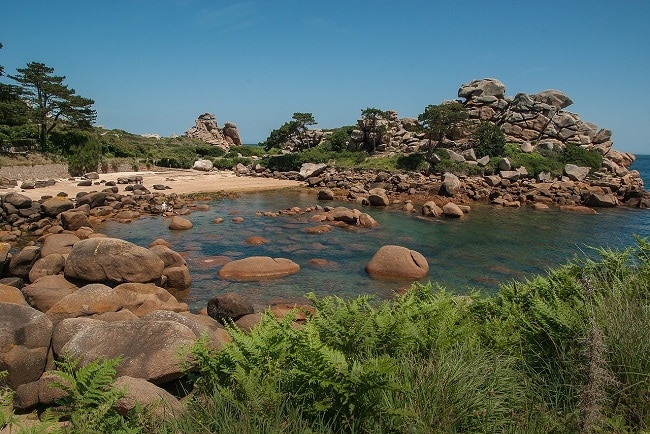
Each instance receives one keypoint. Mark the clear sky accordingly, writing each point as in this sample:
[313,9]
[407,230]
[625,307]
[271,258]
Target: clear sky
[153,66]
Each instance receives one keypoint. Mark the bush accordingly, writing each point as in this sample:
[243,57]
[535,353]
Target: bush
[490,140]
[246,151]
[82,149]
[210,151]
[338,140]
[573,154]
[412,162]
[229,163]
[180,157]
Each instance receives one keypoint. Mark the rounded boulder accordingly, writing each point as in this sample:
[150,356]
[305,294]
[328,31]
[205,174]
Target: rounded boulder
[258,268]
[397,262]
[112,260]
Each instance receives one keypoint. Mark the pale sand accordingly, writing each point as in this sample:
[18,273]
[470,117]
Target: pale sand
[180,182]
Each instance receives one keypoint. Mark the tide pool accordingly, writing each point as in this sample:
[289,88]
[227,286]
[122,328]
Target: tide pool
[489,246]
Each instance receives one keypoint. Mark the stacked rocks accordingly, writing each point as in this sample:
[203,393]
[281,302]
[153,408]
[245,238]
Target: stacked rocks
[207,130]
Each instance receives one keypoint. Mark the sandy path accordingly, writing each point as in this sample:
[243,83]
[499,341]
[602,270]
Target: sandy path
[179,181]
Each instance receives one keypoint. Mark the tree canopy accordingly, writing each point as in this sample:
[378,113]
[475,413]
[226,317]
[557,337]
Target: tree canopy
[437,121]
[292,134]
[51,101]
[375,129]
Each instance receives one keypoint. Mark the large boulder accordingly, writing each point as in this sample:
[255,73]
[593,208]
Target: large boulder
[25,335]
[55,205]
[22,263]
[258,268]
[452,210]
[47,266]
[95,299]
[484,87]
[11,294]
[203,165]
[576,173]
[378,197]
[431,209]
[307,170]
[227,308]
[18,200]
[231,131]
[169,257]
[397,262]
[601,200]
[112,260]
[450,185]
[199,324]
[58,243]
[43,293]
[179,223]
[93,200]
[73,219]
[149,349]
[556,98]
[147,396]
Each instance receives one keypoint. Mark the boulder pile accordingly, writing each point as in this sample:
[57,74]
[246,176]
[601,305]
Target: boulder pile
[508,187]
[206,129]
[87,296]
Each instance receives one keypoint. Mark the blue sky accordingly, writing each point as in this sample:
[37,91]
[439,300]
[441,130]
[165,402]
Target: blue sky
[154,66]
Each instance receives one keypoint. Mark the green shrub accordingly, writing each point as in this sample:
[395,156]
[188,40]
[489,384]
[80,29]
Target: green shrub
[535,163]
[573,154]
[182,157]
[228,163]
[413,162]
[519,361]
[338,140]
[246,151]
[210,151]
[490,140]
[90,397]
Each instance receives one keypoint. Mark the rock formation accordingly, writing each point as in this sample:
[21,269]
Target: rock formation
[535,121]
[207,130]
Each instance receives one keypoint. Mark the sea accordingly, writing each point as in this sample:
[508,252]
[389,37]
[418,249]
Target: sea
[488,247]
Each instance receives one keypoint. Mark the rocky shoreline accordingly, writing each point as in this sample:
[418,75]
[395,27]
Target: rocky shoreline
[71,290]
[575,190]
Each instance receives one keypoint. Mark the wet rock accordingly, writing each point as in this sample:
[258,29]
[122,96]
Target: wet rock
[258,268]
[227,308]
[397,262]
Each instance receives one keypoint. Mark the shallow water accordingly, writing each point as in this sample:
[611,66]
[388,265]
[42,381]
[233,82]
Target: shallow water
[489,246]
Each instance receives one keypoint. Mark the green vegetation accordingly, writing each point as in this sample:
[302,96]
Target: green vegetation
[490,140]
[438,121]
[580,156]
[374,121]
[51,102]
[560,353]
[292,133]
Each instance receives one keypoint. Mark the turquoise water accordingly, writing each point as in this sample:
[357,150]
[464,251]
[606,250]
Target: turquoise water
[491,245]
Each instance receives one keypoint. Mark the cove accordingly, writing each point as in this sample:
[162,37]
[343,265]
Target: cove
[489,246]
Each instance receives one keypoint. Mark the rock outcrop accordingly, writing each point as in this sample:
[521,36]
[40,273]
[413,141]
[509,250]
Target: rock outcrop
[207,130]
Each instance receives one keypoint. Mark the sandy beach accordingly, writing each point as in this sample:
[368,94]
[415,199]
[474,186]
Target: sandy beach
[179,182]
